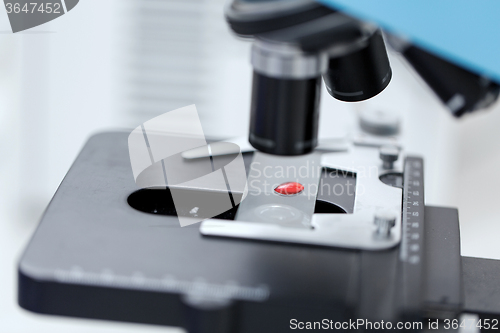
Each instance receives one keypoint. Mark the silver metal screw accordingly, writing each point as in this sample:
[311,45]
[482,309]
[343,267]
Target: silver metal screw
[389,155]
[385,220]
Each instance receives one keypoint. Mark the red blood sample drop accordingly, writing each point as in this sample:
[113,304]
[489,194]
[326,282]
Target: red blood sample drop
[289,188]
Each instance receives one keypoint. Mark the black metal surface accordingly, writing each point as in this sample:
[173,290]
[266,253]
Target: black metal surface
[90,225]
[156,201]
[448,80]
[379,290]
[443,292]
[244,18]
[361,74]
[394,179]
[318,35]
[481,279]
[89,301]
[329,181]
[210,316]
[160,201]
[305,23]
[284,115]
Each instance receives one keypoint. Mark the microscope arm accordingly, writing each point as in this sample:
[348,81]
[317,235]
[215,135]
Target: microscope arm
[291,52]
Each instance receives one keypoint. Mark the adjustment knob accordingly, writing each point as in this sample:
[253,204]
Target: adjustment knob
[389,155]
[379,122]
[385,220]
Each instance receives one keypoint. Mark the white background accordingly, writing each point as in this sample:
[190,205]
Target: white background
[114,64]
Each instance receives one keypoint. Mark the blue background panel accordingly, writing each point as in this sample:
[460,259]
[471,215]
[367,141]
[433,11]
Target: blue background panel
[463,31]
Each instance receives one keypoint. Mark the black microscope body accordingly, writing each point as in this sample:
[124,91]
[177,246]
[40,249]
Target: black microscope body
[105,249]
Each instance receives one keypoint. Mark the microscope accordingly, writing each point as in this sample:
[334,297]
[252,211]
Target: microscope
[322,238]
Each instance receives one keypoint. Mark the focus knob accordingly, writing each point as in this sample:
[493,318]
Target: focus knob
[389,155]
